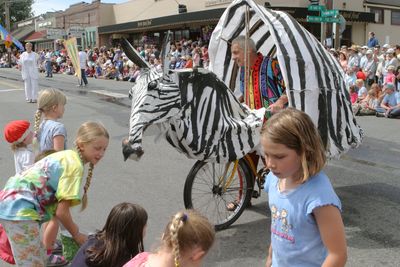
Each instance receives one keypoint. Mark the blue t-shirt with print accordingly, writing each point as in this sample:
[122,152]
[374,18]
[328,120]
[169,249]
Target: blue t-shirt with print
[49,129]
[392,99]
[295,237]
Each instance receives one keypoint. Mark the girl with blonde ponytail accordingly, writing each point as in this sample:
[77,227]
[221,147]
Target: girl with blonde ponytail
[49,189]
[49,132]
[186,240]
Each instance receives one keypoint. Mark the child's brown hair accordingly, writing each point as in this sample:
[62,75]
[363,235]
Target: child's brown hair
[295,129]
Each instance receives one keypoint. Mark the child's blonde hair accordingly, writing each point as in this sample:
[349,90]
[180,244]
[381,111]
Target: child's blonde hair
[295,130]
[186,230]
[47,100]
[87,133]
[359,82]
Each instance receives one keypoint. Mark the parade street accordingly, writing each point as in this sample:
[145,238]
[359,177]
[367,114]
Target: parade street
[366,179]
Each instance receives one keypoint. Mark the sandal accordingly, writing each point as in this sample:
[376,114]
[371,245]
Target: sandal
[57,248]
[231,206]
[56,260]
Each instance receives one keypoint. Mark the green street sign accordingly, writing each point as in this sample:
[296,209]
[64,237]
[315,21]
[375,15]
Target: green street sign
[316,19]
[330,13]
[316,8]
[330,20]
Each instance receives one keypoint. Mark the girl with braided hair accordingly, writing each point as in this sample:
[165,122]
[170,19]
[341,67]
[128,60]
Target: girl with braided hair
[185,241]
[49,189]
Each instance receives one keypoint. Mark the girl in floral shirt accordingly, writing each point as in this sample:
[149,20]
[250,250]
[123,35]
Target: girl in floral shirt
[50,188]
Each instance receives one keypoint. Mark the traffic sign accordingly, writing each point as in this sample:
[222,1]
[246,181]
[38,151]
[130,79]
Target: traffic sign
[316,8]
[330,13]
[316,19]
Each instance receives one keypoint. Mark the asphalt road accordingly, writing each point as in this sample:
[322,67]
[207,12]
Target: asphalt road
[367,179]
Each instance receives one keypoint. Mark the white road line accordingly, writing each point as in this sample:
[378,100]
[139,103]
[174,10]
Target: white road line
[9,90]
[110,94]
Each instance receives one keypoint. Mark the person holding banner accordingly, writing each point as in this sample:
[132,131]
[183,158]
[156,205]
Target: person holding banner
[29,67]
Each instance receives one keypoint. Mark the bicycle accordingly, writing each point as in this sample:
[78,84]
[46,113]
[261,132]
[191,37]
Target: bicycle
[210,187]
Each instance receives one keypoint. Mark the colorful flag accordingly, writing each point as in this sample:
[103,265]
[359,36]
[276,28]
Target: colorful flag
[72,50]
[5,35]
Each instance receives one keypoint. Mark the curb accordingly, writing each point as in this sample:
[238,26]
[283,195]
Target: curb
[109,96]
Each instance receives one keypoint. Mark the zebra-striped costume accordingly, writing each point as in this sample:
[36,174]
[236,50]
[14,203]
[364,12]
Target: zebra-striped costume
[314,80]
[201,117]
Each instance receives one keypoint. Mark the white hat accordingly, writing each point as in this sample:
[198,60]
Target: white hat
[386,46]
[390,51]
[369,51]
[364,47]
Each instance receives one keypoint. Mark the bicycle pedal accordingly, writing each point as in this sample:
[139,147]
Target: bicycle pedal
[255,194]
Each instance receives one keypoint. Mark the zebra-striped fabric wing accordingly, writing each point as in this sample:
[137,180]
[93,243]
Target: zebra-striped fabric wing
[314,80]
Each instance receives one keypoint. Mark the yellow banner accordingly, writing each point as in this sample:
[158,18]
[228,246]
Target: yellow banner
[72,50]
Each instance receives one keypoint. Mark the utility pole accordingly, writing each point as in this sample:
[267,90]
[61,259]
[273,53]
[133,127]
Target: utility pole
[7,13]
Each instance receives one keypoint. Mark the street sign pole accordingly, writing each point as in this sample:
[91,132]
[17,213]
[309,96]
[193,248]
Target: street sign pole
[323,26]
[337,36]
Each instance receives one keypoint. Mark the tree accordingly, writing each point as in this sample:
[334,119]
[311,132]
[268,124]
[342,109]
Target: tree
[19,10]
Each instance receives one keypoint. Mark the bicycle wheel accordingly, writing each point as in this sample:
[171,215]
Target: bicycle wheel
[210,187]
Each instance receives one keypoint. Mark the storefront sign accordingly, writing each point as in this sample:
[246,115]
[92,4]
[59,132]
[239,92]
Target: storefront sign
[144,23]
[28,22]
[55,33]
[217,2]
[76,31]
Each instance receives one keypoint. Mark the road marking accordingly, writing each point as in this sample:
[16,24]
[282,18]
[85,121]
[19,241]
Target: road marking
[9,90]
[11,85]
[108,93]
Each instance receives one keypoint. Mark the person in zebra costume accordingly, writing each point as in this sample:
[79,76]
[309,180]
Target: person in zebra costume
[314,81]
[261,81]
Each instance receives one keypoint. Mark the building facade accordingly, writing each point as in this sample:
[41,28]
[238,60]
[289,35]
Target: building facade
[81,20]
[146,21]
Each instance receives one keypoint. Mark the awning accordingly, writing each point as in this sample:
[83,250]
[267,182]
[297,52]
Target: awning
[37,36]
[22,33]
[301,13]
[167,22]
[383,2]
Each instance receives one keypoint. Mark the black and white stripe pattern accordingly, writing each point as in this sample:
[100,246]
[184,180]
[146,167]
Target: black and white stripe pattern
[201,118]
[154,100]
[313,78]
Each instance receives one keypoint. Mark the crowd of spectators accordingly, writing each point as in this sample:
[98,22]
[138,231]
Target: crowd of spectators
[112,63]
[372,76]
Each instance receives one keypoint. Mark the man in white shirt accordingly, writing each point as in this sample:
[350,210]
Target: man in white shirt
[83,63]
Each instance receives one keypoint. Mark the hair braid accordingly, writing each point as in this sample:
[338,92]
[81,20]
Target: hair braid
[174,228]
[35,143]
[88,180]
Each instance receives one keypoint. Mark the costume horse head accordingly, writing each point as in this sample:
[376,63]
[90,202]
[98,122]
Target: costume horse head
[197,112]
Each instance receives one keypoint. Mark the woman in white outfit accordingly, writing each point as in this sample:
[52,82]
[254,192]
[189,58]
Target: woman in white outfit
[29,67]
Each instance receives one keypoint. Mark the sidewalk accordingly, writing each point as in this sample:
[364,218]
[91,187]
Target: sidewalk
[115,91]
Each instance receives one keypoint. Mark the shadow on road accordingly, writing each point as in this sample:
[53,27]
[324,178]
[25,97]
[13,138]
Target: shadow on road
[371,212]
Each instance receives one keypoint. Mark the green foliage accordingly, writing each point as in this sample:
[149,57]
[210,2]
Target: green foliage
[19,10]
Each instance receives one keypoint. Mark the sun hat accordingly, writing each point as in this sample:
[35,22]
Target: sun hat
[390,51]
[16,131]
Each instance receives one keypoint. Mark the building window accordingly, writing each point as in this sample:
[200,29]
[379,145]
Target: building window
[379,18]
[395,17]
